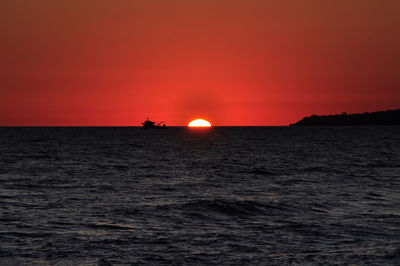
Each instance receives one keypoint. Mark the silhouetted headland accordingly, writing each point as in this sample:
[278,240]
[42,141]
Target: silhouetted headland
[390,117]
[151,124]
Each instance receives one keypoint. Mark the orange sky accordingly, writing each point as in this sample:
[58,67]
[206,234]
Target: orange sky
[234,62]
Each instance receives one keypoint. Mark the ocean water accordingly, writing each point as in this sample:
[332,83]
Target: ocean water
[222,196]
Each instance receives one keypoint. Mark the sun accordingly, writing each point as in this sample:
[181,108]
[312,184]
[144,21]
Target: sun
[199,123]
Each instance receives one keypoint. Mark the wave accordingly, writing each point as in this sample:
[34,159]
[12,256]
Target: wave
[263,172]
[322,169]
[233,208]
[27,234]
[107,226]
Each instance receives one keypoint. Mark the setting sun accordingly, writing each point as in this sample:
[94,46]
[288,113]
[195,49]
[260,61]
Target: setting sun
[199,123]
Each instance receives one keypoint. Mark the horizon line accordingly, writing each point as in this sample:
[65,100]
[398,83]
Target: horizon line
[5,126]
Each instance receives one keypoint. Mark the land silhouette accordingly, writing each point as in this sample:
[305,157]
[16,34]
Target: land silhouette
[389,117]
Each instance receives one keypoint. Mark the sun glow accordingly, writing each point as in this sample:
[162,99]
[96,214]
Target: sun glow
[199,123]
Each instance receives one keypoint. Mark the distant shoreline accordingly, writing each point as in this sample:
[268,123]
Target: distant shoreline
[381,118]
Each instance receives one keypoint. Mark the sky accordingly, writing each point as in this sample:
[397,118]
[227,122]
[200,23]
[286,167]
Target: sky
[232,62]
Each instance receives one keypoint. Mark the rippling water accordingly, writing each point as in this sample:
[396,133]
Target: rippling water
[252,196]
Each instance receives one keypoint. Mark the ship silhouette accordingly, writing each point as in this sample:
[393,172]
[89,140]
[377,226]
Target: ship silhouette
[151,124]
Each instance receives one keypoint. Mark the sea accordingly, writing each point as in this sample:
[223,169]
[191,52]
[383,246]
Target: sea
[217,196]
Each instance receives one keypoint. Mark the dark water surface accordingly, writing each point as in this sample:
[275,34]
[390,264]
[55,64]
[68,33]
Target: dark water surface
[250,196]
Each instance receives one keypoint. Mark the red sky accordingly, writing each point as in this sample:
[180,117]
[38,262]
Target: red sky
[234,62]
